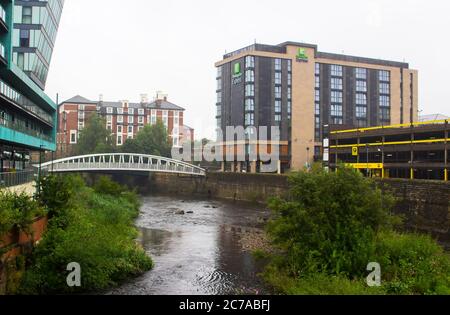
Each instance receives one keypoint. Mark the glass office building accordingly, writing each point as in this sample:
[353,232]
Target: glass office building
[27,115]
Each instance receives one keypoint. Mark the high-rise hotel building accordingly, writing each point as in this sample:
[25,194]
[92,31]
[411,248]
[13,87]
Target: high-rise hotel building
[27,115]
[301,90]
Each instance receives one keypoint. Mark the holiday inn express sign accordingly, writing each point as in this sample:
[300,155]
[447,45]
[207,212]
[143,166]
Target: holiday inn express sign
[237,74]
[301,55]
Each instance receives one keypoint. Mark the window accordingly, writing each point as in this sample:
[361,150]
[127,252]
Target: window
[176,142]
[336,97]
[278,92]
[361,86]
[120,111]
[317,109]
[131,119]
[317,69]
[249,76]
[219,72]
[336,110]
[385,101]
[219,97]
[119,129]
[317,82]
[249,105]
[384,88]
[289,65]
[336,71]
[289,79]
[219,110]
[317,96]
[277,64]
[109,110]
[249,119]
[141,119]
[385,114]
[249,62]
[219,84]
[109,119]
[317,123]
[166,118]
[289,107]
[250,90]
[278,78]
[119,140]
[277,106]
[336,84]
[277,118]
[337,121]
[384,75]
[153,118]
[361,73]
[73,137]
[289,93]
[141,111]
[361,99]
[119,119]
[131,111]
[361,112]
[176,118]
[27,14]
[130,129]
[24,38]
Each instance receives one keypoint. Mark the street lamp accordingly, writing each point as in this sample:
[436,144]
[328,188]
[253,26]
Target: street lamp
[367,154]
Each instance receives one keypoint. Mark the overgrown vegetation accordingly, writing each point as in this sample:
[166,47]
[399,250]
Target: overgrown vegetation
[90,226]
[335,224]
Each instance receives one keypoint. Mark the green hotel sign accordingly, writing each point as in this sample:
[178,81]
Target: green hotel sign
[237,74]
[301,55]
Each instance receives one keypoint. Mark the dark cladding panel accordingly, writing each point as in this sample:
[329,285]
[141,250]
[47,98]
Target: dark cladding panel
[325,97]
[226,95]
[373,97]
[349,92]
[264,90]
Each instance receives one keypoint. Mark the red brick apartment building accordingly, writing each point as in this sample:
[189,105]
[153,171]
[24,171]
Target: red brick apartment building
[123,118]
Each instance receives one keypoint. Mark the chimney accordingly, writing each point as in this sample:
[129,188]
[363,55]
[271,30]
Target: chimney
[144,98]
[125,103]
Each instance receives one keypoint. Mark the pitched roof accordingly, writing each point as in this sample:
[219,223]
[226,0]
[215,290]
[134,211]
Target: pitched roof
[79,100]
[163,104]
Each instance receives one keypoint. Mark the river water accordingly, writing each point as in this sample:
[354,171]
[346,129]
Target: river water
[198,253]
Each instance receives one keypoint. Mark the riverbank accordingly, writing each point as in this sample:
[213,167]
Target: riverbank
[91,227]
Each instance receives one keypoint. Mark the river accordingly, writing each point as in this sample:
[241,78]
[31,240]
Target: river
[201,252]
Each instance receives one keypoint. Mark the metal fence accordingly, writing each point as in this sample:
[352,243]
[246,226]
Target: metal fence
[12,179]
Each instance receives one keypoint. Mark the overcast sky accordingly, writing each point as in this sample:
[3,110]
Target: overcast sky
[122,49]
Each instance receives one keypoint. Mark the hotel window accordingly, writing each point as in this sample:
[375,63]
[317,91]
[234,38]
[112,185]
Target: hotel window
[317,82]
[289,93]
[317,96]
[277,118]
[249,119]
[336,84]
[250,76]
[277,106]
[336,97]
[336,71]
[119,140]
[361,73]
[219,71]
[131,119]
[289,65]
[249,62]
[119,119]
[361,86]
[384,88]
[289,79]
[140,119]
[130,111]
[336,110]
[317,69]
[141,112]
[317,109]
[73,137]
[219,84]
[361,112]
[278,92]
[317,123]
[289,109]
[109,110]
[361,99]
[385,101]
[219,97]
[277,64]
[278,78]
[250,90]
[219,110]
[384,75]
[249,105]
[385,114]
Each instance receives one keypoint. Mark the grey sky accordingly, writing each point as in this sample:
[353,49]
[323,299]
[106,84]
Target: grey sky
[124,48]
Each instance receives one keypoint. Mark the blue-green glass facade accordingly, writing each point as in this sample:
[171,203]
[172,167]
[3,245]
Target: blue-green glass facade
[28,117]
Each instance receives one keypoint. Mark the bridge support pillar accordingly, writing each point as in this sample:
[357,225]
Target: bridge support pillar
[253,167]
[238,167]
[222,167]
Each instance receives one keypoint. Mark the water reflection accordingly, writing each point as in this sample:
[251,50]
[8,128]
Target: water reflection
[193,254]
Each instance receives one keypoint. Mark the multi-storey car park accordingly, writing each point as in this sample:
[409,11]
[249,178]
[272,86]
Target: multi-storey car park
[413,151]
[27,115]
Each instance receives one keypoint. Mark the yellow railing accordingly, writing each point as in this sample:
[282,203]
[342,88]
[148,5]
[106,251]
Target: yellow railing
[434,122]
[378,144]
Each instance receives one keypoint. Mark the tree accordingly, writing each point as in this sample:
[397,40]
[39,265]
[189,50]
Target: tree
[95,138]
[152,140]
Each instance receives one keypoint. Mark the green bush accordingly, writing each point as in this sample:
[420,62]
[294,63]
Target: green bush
[99,235]
[329,223]
[18,211]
